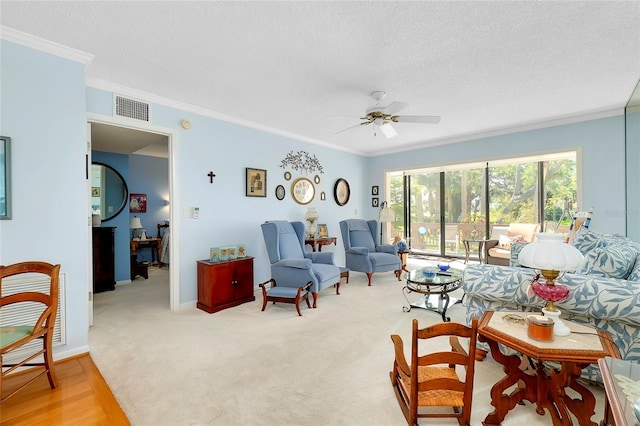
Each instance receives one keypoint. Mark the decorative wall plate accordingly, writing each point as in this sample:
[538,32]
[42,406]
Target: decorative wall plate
[341,192]
[280,192]
[303,191]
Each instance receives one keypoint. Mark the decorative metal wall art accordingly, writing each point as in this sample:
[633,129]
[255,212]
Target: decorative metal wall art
[302,161]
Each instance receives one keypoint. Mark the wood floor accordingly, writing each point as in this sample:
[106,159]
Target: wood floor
[81,398]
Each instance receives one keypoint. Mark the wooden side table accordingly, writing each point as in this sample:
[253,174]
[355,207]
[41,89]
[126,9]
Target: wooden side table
[467,249]
[319,242]
[153,243]
[540,385]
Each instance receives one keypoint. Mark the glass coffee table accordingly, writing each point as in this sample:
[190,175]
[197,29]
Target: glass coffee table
[435,290]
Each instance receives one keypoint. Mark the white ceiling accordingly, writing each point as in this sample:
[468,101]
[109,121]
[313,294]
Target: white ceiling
[484,67]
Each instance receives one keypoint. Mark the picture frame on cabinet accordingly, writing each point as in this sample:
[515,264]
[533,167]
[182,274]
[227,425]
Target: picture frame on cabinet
[233,252]
[242,251]
[214,254]
[322,230]
[224,254]
[256,182]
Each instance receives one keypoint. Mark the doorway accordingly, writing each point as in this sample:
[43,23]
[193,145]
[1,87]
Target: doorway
[114,135]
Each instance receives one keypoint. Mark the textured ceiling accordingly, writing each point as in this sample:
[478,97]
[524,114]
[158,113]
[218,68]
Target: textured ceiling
[290,66]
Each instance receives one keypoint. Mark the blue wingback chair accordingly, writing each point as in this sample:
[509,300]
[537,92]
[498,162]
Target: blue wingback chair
[291,266]
[362,252]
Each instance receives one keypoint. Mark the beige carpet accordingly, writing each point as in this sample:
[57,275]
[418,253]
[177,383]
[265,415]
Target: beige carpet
[242,366]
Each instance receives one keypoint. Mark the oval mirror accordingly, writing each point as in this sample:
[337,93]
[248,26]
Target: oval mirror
[109,192]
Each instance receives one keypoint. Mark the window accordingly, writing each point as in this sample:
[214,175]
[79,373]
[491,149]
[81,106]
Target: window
[437,208]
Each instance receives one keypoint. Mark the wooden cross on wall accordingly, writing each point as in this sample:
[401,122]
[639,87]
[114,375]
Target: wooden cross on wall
[211,176]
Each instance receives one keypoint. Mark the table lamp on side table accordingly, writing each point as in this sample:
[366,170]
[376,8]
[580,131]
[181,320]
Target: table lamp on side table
[134,224]
[552,257]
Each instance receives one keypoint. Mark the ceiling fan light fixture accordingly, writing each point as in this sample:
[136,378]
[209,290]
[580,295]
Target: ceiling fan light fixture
[388,130]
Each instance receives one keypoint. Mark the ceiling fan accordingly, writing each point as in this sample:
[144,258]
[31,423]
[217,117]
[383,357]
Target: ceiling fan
[382,117]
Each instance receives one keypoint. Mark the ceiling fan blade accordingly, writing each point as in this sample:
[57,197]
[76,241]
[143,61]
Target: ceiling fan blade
[427,119]
[394,108]
[388,130]
[350,127]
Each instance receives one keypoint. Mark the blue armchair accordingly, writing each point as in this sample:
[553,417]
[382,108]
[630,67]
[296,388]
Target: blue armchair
[362,252]
[291,266]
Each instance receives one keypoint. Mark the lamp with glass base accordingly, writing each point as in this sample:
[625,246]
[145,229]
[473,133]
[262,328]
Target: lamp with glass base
[312,217]
[552,257]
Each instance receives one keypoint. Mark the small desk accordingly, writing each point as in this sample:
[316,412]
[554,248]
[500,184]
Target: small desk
[321,241]
[617,375]
[153,243]
[540,384]
[467,250]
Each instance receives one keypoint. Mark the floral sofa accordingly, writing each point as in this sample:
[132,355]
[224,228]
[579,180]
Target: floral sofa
[605,290]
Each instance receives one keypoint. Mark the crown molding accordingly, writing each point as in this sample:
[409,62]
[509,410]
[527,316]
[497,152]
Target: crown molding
[183,106]
[57,49]
[524,127]
[149,97]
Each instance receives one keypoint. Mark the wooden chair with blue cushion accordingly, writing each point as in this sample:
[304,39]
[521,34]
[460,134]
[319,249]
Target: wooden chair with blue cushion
[361,251]
[284,294]
[291,266]
[14,334]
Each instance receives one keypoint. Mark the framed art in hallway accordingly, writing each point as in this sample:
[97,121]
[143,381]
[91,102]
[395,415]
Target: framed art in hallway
[138,203]
[256,182]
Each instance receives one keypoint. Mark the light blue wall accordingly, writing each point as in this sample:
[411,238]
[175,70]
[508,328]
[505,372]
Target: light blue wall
[227,216]
[633,170]
[601,162]
[43,111]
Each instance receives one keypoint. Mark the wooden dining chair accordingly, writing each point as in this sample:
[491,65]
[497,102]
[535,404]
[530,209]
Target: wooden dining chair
[437,379]
[14,337]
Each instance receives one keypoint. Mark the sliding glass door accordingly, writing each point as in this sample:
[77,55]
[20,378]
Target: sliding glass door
[437,209]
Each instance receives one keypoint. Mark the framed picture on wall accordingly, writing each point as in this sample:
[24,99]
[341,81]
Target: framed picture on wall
[138,203]
[374,202]
[374,190]
[256,182]
[5,177]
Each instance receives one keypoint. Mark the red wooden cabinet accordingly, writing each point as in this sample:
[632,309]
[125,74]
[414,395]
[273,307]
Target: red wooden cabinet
[224,284]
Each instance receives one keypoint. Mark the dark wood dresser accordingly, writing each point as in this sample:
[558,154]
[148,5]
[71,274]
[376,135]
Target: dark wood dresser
[224,284]
[104,262]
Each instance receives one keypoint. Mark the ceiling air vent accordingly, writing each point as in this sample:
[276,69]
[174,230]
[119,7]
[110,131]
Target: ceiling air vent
[131,108]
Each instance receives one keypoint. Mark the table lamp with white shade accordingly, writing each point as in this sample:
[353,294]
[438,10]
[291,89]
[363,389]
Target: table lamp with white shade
[552,257]
[134,224]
